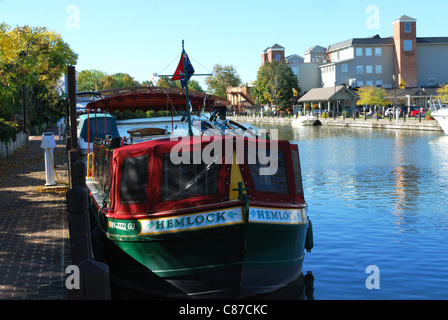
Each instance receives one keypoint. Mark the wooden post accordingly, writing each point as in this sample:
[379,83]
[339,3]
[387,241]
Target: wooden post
[94,282]
[79,224]
[94,275]
[71,80]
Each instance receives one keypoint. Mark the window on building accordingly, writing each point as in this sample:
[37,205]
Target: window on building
[432,82]
[368,51]
[359,51]
[379,68]
[407,27]
[359,83]
[378,52]
[379,83]
[359,69]
[344,67]
[407,45]
[369,69]
[277,56]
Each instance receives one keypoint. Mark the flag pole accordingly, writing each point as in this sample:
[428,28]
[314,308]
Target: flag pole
[184,57]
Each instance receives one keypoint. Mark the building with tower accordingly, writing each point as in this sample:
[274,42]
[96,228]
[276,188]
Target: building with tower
[402,59]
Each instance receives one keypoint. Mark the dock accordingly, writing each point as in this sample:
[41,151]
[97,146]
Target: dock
[408,124]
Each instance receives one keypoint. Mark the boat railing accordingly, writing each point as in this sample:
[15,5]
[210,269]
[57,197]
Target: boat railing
[436,105]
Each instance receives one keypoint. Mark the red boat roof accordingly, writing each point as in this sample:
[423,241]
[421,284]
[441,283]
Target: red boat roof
[145,180]
[156,99]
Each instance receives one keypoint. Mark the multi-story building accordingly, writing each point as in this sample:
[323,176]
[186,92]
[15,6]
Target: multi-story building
[402,58]
[388,62]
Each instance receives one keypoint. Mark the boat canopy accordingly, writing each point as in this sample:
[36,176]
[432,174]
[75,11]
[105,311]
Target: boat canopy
[96,126]
[156,99]
[165,175]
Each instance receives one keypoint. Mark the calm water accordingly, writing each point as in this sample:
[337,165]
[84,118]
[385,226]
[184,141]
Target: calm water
[376,197]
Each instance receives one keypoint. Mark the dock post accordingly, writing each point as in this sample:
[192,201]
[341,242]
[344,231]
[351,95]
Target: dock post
[94,275]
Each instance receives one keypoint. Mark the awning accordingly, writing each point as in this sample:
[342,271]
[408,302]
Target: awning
[156,99]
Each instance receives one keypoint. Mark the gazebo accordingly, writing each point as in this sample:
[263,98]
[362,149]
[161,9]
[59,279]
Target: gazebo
[329,98]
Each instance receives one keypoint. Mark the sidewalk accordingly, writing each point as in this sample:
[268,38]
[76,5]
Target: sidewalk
[34,235]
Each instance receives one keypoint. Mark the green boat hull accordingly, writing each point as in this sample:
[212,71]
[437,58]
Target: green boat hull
[236,260]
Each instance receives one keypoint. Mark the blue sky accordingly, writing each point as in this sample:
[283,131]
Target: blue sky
[141,37]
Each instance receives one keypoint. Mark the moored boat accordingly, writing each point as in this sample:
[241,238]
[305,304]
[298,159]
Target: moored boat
[306,120]
[93,126]
[206,216]
[439,111]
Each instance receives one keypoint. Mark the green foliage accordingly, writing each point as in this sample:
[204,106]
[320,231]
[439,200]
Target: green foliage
[90,80]
[276,84]
[32,56]
[165,82]
[127,114]
[221,78]
[8,130]
[93,80]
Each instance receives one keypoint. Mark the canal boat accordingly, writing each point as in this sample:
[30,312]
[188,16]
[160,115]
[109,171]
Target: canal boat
[221,217]
[439,111]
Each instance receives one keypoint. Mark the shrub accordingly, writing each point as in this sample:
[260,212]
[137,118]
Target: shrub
[8,130]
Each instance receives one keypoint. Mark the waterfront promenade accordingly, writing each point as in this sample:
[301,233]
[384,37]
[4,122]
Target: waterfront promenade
[409,124]
[34,235]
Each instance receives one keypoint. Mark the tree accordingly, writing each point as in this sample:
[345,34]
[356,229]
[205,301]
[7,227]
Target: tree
[372,96]
[221,78]
[32,57]
[442,93]
[165,82]
[90,80]
[276,84]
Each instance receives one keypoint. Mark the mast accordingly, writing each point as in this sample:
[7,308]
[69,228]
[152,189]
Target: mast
[184,56]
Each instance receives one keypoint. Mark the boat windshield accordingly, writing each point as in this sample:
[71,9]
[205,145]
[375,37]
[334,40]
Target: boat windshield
[96,129]
[270,183]
[183,181]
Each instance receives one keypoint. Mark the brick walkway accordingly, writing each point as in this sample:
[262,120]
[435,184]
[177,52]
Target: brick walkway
[34,235]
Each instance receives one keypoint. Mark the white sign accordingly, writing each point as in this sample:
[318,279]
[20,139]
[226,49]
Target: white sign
[192,221]
[283,216]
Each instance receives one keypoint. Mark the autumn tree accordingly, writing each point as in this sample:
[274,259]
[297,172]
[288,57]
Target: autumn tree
[31,58]
[276,84]
[221,78]
[442,93]
[372,96]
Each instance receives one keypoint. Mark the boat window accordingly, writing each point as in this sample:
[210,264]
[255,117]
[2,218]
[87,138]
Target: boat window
[297,171]
[180,181]
[134,178]
[271,183]
[97,131]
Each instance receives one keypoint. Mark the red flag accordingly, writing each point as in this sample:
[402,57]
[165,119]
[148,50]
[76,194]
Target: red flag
[178,74]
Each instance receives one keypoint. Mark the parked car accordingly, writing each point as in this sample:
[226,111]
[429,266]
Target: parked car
[390,111]
[415,113]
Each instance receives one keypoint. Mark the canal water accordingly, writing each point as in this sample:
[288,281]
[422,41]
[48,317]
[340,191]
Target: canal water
[378,200]
[378,203]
